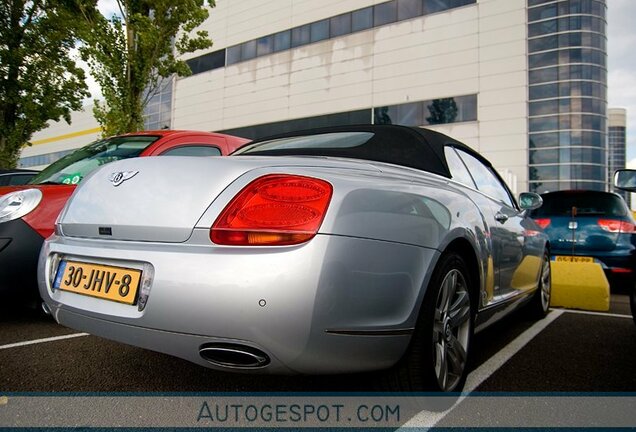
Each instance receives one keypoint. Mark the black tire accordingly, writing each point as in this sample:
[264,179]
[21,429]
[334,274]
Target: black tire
[437,357]
[540,303]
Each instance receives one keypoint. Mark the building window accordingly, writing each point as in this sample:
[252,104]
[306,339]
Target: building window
[407,9]
[385,13]
[362,19]
[282,40]
[351,22]
[320,30]
[568,94]
[340,25]
[300,36]
[429,112]
[265,45]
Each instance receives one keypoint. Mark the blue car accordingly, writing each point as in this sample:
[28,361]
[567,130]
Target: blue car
[591,226]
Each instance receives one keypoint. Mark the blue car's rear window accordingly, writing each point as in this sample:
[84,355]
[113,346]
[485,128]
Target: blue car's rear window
[588,203]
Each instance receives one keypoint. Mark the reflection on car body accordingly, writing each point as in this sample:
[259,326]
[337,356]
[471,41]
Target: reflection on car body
[337,250]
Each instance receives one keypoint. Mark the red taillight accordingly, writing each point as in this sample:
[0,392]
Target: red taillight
[616,226]
[276,209]
[543,223]
[620,270]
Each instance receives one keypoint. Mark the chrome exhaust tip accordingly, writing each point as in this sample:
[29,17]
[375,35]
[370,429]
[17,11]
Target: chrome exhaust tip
[233,356]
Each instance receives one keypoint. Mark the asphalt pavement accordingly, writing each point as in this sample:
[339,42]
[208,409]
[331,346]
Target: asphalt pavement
[577,352]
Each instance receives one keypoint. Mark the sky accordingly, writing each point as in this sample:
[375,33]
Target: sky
[621,43]
[621,80]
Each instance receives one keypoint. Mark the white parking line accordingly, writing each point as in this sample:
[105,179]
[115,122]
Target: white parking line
[605,314]
[486,369]
[39,341]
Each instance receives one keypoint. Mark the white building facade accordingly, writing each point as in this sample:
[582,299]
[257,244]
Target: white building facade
[462,67]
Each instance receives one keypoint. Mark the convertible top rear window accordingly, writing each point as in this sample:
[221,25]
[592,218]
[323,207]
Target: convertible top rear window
[412,147]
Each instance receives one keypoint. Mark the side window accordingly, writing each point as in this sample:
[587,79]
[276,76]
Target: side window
[457,168]
[193,150]
[486,180]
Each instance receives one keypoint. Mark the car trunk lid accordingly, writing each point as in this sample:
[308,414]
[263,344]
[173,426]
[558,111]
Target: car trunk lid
[160,199]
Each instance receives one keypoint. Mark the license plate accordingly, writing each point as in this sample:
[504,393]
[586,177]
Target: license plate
[106,282]
[569,258]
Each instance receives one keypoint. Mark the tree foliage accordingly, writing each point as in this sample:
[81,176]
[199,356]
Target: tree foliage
[39,80]
[129,54]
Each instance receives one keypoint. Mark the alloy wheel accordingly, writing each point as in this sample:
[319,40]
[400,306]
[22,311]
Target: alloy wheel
[451,330]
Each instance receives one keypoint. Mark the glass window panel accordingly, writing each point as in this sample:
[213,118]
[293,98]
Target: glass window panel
[340,25]
[544,124]
[441,111]
[486,180]
[385,115]
[434,6]
[384,13]
[301,35]
[543,28]
[248,50]
[546,172]
[362,19]
[320,30]
[587,155]
[544,91]
[549,58]
[408,9]
[544,156]
[410,114]
[543,12]
[193,64]
[265,45]
[544,107]
[211,61]
[467,108]
[193,150]
[544,140]
[587,172]
[543,44]
[458,170]
[233,54]
[544,75]
[153,107]
[282,40]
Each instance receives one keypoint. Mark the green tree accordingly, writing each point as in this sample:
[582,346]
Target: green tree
[39,80]
[129,54]
[442,111]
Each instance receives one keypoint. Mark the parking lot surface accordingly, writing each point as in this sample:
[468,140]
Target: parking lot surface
[575,352]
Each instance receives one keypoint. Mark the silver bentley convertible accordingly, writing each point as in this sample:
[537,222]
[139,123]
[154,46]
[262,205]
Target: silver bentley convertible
[334,250]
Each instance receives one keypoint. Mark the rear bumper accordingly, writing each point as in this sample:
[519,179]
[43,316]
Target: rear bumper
[19,249]
[333,305]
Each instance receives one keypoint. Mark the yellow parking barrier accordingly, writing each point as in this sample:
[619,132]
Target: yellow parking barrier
[579,285]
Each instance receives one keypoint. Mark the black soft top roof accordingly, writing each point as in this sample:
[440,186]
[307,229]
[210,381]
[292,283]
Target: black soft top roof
[412,147]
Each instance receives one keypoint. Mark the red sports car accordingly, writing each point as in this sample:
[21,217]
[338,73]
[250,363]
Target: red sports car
[28,213]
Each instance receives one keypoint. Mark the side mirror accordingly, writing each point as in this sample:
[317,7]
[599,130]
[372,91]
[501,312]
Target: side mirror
[625,179]
[530,200]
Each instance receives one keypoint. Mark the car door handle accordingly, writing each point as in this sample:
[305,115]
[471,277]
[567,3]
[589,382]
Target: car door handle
[500,217]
